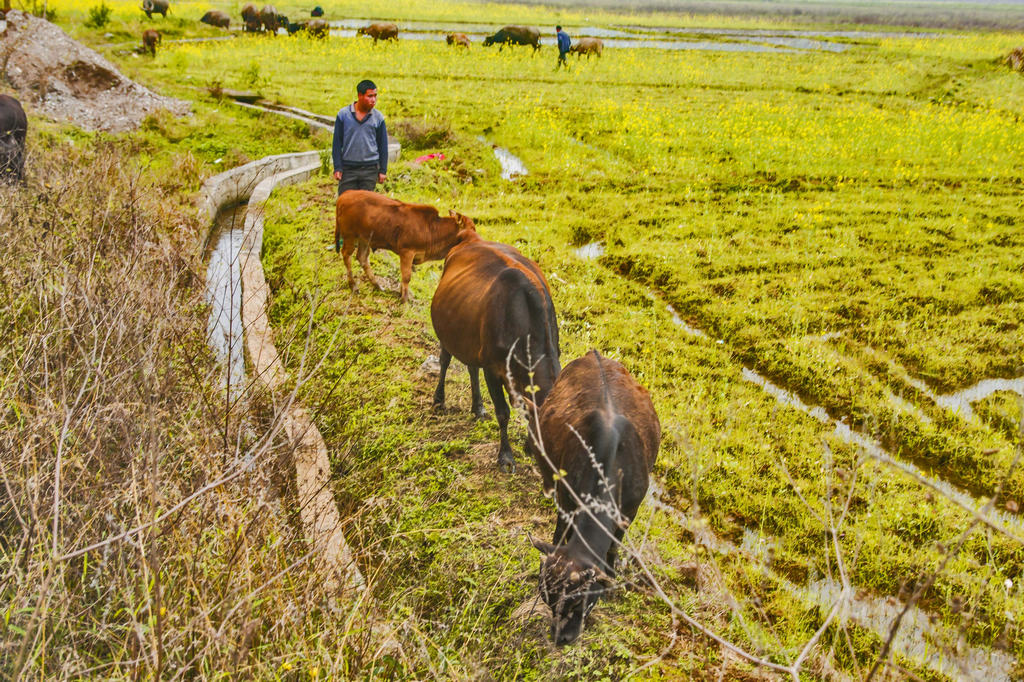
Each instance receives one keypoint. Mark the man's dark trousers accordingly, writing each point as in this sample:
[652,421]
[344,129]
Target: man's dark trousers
[358,178]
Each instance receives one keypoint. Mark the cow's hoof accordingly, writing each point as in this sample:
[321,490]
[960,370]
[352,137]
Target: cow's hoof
[480,414]
[506,463]
[439,408]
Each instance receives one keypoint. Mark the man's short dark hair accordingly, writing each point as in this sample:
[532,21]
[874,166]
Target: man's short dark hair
[364,86]
[558,28]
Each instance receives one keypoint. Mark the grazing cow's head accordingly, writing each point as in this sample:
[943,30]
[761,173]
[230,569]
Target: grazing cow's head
[489,40]
[362,31]
[570,589]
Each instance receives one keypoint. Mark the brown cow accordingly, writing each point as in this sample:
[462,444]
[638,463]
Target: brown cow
[458,40]
[492,310]
[414,231]
[318,28]
[151,7]
[600,433]
[13,129]
[150,39]
[251,18]
[216,18]
[379,32]
[271,20]
[514,35]
[587,46]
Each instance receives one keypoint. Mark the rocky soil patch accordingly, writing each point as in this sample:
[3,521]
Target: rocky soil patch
[62,79]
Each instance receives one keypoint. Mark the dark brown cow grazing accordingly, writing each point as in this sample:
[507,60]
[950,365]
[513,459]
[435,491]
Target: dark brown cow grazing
[587,46]
[271,20]
[379,32]
[414,231]
[600,433]
[216,18]
[318,28]
[251,18]
[492,310]
[458,40]
[514,35]
[151,7]
[150,39]
[13,128]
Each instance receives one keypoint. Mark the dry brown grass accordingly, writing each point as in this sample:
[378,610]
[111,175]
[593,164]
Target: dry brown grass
[114,432]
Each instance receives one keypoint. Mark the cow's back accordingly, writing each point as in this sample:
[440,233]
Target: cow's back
[381,221]
[490,297]
[12,118]
[591,393]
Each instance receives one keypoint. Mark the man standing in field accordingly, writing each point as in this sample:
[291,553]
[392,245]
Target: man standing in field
[563,47]
[360,149]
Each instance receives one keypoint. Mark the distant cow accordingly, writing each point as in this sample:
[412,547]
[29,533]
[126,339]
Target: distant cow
[492,310]
[457,39]
[151,7]
[515,35]
[379,32]
[271,20]
[13,127]
[251,18]
[150,39]
[216,18]
[414,231]
[317,28]
[599,437]
[587,46]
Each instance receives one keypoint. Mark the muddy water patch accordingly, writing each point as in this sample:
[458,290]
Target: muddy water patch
[511,166]
[224,294]
[591,251]
[960,402]
[921,637]
[684,325]
[997,519]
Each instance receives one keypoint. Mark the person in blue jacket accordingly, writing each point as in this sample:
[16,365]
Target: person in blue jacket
[563,47]
[360,149]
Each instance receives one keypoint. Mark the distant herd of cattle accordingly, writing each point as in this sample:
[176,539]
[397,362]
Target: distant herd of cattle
[269,20]
[592,428]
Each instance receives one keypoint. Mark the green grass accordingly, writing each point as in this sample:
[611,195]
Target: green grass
[871,196]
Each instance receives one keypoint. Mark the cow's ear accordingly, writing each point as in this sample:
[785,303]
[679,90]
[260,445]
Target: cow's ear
[453,214]
[544,548]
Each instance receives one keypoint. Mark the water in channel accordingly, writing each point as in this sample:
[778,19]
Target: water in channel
[224,294]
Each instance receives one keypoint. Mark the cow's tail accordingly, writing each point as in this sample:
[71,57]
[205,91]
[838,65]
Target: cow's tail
[337,231]
[541,308]
[608,437]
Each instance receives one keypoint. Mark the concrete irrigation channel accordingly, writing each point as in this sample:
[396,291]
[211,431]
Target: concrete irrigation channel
[246,293]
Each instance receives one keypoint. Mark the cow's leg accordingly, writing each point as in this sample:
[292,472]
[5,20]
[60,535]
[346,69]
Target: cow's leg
[613,551]
[506,457]
[478,402]
[363,254]
[405,263]
[445,360]
[346,253]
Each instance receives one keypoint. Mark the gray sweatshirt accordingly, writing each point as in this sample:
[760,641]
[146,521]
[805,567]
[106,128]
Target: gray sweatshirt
[360,144]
